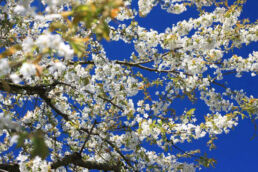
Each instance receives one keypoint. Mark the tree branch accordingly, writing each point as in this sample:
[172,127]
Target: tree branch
[138,65]
[40,90]
[9,168]
[113,146]
[88,137]
[87,91]
[76,159]
[48,102]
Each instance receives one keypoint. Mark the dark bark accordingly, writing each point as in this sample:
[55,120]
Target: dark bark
[76,159]
[40,90]
[9,167]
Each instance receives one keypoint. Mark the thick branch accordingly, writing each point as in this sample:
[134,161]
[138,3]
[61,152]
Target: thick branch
[21,89]
[9,167]
[40,90]
[48,102]
[76,159]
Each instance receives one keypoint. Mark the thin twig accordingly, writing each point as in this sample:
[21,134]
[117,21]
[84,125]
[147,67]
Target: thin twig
[88,137]
[139,65]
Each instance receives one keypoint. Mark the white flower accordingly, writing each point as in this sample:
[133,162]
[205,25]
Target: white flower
[140,103]
[58,66]
[22,158]
[27,70]
[145,6]
[145,115]
[4,67]
[40,165]
[27,44]
[54,41]
[147,107]
[65,50]
[14,139]
[199,133]
[15,78]
[27,118]
[177,9]
[188,168]
[20,10]
[43,41]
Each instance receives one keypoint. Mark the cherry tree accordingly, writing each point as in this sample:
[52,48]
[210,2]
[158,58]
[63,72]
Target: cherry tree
[67,106]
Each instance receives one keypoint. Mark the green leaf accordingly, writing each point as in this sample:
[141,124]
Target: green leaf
[39,147]
[190,113]
[78,47]
[207,162]
[21,139]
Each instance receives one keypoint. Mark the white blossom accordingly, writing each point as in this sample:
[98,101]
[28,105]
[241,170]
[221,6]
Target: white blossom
[4,67]
[28,70]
